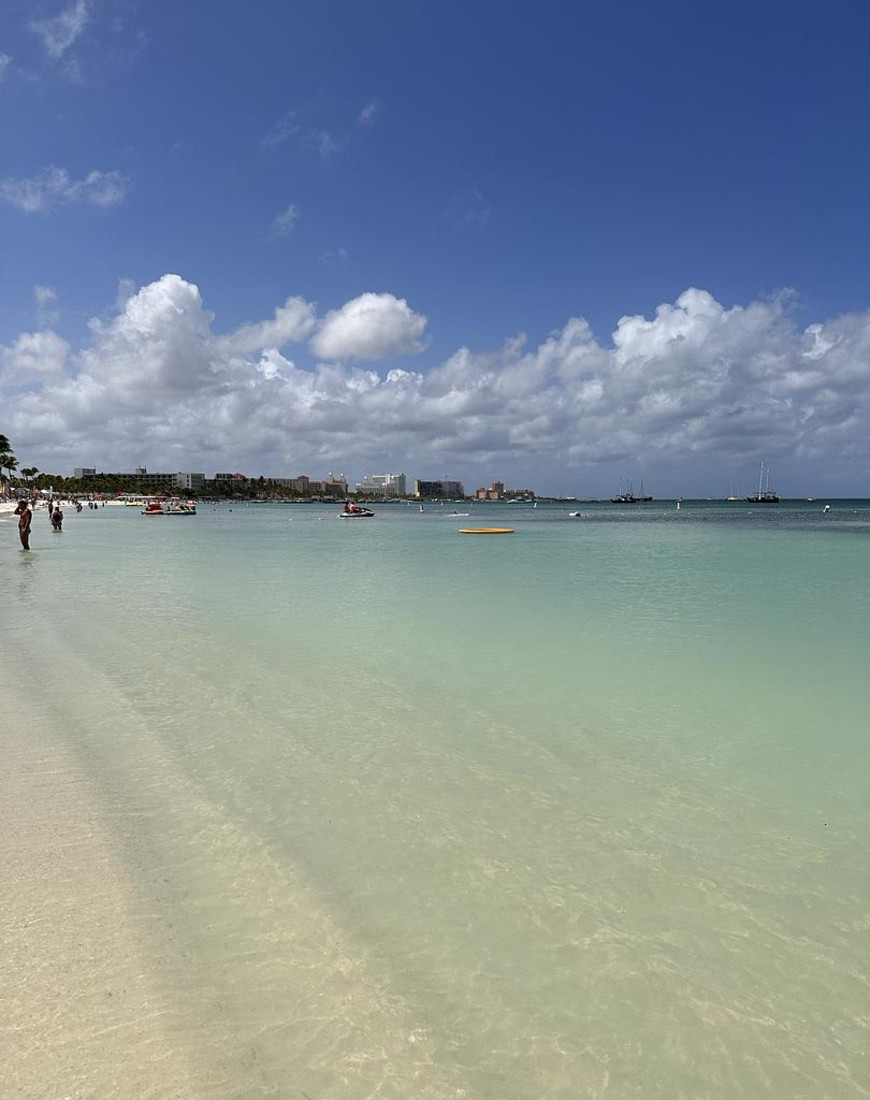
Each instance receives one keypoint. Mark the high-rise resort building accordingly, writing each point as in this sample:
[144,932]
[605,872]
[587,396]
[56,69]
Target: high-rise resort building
[385,485]
[431,490]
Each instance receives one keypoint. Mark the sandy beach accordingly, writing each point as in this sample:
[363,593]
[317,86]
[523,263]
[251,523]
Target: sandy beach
[8,506]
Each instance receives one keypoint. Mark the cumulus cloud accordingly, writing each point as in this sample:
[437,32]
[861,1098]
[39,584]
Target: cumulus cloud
[54,186]
[60,31]
[160,344]
[292,323]
[35,357]
[5,62]
[370,327]
[697,386]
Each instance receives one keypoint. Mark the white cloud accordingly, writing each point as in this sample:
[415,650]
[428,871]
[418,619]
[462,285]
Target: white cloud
[370,327]
[5,62]
[160,344]
[369,114]
[697,387]
[325,133]
[286,126]
[45,298]
[54,186]
[292,323]
[35,357]
[60,31]
[325,143]
[334,258]
[284,223]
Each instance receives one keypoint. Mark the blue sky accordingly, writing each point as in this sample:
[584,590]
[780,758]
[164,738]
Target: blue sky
[427,182]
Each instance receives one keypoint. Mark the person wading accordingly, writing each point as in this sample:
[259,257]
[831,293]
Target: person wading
[24,517]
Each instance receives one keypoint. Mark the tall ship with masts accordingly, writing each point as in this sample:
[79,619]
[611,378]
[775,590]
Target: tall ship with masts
[765,494]
[626,494]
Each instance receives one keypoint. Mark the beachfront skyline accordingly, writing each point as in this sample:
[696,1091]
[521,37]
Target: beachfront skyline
[560,246]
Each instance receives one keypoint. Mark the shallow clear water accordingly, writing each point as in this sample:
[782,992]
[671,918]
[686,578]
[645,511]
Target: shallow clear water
[389,811]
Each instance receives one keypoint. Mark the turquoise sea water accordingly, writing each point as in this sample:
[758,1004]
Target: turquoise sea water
[577,812]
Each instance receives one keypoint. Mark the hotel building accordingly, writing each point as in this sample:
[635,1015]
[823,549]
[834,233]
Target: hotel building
[385,485]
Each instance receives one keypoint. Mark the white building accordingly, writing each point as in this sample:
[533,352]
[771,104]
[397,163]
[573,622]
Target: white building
[385,485]
[189,481]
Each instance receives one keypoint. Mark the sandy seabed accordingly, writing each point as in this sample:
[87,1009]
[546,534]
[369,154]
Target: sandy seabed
[81,1016]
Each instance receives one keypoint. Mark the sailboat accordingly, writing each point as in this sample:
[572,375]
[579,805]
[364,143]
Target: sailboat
[732,495]
[765,494]
[626,494]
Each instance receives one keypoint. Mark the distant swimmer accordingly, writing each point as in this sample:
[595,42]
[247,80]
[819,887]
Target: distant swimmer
[57,518]
[24,517]
[826,509]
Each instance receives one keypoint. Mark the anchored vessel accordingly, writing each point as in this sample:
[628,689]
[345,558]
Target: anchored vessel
[765,494]
[626,494]
[180,508]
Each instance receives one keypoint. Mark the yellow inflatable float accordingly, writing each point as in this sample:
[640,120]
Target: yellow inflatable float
[486,530]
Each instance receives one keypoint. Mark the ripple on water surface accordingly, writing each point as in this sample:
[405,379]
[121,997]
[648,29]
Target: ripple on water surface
[387,812]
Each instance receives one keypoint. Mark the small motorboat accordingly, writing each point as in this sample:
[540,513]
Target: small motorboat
[180,508]
[577,515]
[155,508]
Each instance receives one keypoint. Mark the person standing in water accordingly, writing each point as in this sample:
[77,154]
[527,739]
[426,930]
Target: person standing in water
[24,517]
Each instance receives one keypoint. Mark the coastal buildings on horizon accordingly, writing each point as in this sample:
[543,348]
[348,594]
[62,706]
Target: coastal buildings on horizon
[383,485]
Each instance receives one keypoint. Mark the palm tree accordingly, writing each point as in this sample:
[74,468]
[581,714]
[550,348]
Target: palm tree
[9,463]
[29,472]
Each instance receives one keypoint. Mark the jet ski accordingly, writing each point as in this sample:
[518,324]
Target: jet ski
[355,511]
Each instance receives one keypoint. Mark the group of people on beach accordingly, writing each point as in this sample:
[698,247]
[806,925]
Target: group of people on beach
[24,511]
